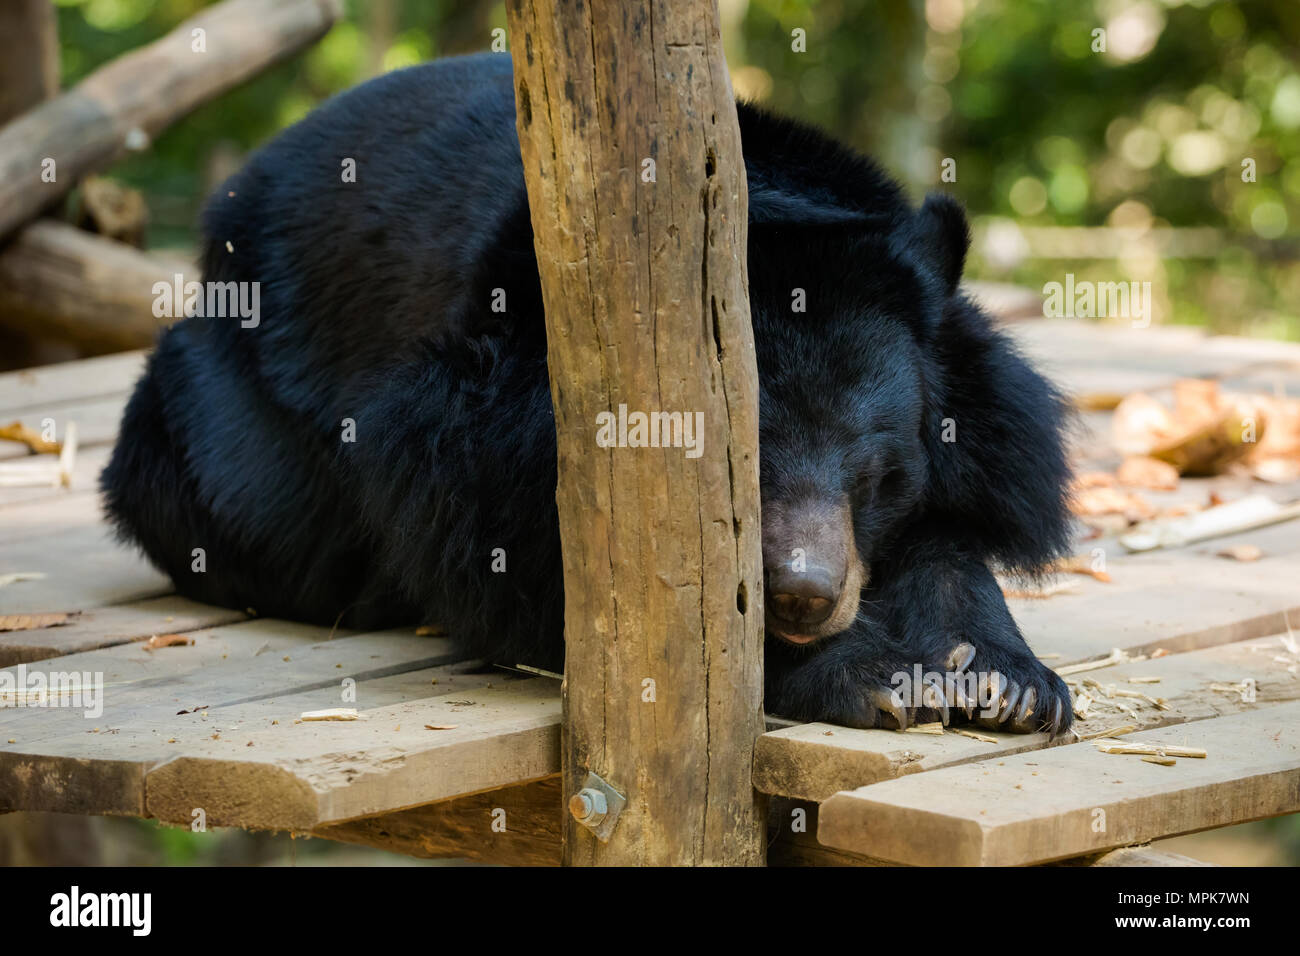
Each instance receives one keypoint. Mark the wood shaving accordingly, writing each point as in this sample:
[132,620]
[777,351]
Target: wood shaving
[985,738]
[1116,656]
[333,713]
[1156,750]
[935,728]
[1112,732]
[8,579]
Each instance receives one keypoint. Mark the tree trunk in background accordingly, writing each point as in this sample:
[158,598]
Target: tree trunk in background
[644,282]
[29,55]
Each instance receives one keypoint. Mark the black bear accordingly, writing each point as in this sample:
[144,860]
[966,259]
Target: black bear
[368,442]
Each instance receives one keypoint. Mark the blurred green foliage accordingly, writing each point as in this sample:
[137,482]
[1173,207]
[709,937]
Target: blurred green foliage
[1044,129]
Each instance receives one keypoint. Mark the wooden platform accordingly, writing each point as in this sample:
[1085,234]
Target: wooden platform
[443,751]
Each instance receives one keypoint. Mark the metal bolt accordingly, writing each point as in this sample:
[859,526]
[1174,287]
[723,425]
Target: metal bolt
[588,806]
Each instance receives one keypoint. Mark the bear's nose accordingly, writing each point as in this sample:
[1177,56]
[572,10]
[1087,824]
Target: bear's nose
[802,597]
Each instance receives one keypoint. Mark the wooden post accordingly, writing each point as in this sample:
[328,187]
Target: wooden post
[29,55]
[636,185]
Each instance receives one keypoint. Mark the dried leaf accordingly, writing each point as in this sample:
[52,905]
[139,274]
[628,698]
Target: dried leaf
[33,622]
[1143,471]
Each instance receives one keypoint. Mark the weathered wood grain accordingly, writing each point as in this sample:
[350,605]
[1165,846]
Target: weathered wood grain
[519,826]
[646,300]
[815,761]
[113,625]
[1067,801]
[59,281]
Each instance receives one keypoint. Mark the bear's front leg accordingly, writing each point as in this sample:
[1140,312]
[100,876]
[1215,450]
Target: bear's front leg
[942,604]
[852,679]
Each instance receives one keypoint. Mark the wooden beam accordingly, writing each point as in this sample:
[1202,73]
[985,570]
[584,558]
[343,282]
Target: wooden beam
[1068,801]
[126,104]
[61,282]
[29,55]
[519,826]
[636,186]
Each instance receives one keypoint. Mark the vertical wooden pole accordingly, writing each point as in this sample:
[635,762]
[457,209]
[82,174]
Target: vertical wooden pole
[29,55]
[636,185]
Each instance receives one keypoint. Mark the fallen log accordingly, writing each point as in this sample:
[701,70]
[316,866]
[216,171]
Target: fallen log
[57,281]
[126,104]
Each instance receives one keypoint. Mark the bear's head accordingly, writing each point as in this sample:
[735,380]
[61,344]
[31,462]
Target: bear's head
[844,314]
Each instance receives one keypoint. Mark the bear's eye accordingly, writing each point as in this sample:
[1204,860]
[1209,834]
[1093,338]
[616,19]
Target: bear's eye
[890,485]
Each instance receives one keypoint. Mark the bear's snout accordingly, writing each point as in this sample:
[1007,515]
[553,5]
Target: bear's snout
[812,571]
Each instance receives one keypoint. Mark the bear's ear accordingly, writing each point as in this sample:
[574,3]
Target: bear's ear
[936,238]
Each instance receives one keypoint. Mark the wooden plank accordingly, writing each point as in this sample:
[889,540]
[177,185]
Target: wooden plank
[109,626]
[1178,599]
[215,726]
[42,517]
[1089,357]
[1068,801]
[1144,856]
[815,761]
[84,478]
[107,375]
[84,768]
[300,776]
[519,825]
[154,704]
[152,686]
[83,567]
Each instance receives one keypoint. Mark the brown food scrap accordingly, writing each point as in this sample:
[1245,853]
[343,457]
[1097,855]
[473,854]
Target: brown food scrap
[167,640]
[1143,471]
[1242,552]
[441,726]
[1092,502]
[1095,479]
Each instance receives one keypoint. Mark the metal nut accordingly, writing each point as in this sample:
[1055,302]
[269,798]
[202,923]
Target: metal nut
[588,806]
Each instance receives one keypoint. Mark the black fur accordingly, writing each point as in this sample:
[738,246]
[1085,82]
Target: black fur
[375,306]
